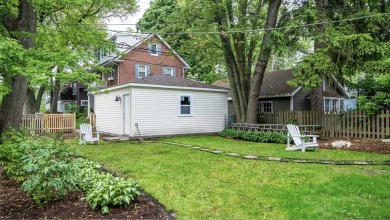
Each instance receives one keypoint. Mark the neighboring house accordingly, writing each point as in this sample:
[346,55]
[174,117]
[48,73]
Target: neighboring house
[142,55]
[276,94]
[159,105]
[73,94]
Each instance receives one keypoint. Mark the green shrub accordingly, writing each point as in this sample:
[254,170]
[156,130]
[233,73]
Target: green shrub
[266,137]
[40,162]
[103,189]
[49,172]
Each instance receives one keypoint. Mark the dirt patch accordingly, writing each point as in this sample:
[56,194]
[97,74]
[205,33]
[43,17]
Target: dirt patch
[15,204]
[363,145]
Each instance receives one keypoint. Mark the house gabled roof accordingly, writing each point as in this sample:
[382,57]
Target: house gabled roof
[171,82]
[275,85]
[135,40]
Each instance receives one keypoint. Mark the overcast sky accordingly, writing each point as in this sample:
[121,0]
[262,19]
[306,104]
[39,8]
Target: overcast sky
[117,24]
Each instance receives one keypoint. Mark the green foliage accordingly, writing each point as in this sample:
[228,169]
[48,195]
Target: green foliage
[345,49]
[265,137]
[103,189]
[49,172]
[40,162]
[374,93]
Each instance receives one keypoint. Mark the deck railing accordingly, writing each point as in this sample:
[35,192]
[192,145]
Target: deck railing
[51,123]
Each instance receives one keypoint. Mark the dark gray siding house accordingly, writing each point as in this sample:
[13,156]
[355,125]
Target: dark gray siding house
[276,94]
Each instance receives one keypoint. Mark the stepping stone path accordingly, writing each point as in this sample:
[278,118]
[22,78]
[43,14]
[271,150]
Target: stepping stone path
[279,159]
[233,154]
[216,152]
[251,157]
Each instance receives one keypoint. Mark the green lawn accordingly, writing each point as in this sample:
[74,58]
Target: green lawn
[274,150]
[198,185]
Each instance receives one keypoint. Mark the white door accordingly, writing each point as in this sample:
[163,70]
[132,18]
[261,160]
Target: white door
[126,114]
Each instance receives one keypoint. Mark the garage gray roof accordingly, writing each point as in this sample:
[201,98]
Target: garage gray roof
[167,80]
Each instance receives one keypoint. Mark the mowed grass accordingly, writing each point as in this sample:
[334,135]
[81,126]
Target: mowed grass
[274,150]
[200,185]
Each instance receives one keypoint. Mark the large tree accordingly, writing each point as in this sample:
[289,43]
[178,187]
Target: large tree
[235,36]
[68,32]
[352,39]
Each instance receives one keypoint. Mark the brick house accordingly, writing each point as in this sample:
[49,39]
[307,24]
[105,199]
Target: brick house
[144,55]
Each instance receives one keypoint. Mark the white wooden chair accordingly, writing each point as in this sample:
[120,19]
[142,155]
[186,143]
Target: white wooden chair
[299,140]
[86,134]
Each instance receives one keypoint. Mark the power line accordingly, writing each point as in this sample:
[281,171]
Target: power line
[254,30]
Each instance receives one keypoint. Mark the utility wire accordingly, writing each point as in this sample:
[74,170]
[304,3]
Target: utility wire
[254,30]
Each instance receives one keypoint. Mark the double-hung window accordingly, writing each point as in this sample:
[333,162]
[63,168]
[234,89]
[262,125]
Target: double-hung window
[141,70]
[185,105]
[169,71]
[265,107]
[331,104]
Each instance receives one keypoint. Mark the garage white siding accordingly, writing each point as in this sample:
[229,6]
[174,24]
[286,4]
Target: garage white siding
[109,113]
[156,110]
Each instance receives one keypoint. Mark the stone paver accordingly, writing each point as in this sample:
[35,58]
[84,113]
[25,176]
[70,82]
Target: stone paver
[233,154]
[250,157]
[217,152]
[274,158]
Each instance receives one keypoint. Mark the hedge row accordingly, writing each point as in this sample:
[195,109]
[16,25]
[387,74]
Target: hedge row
[256,136]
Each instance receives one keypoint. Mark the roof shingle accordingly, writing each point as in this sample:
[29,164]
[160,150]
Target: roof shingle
[167,80]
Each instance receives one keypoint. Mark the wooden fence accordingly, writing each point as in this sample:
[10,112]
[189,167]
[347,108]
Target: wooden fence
[350,124]
[39,123]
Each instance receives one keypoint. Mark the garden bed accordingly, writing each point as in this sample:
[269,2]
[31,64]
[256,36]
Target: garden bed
[362,145]
[15,204]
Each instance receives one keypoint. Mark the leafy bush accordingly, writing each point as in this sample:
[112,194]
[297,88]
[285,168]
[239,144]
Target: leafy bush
[40,162]
[267,137]
[49,172]
[103,189]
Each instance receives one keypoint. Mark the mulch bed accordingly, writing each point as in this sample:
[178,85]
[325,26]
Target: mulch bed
[15,204]
[362,145]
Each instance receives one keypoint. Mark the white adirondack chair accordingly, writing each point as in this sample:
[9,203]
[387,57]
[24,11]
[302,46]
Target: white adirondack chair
[299,140]
[86,134]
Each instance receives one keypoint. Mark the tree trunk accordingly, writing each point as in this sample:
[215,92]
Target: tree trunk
[54,98]
[30,102]
[261,64]
[11,108]
[38,101]
[316,97]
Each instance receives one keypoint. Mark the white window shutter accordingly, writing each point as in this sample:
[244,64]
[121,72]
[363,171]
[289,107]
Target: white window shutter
[164,70]
[159,49]
[150,48]
[136,71]
[173,71]
[147,70]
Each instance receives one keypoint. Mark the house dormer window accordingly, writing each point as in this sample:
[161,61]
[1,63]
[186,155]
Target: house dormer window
[154,49]
[169,71]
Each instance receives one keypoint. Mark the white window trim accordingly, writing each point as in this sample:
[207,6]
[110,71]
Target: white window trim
[331,103]
[146,71]
[262,107]
[169,68]
[81,102]
[179,105]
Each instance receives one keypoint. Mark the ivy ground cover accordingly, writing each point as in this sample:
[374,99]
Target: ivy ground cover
[200,185]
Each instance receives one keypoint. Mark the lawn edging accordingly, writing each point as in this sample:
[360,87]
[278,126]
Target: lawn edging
[275,159]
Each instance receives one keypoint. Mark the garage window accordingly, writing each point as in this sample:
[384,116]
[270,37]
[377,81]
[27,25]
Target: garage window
[185,105]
